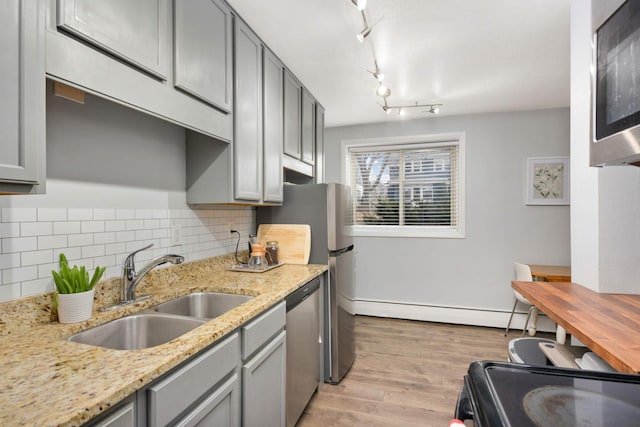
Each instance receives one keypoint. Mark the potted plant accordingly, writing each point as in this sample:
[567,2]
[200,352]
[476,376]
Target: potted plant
[75,291]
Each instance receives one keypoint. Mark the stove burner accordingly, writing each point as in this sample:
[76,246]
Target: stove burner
[570,407]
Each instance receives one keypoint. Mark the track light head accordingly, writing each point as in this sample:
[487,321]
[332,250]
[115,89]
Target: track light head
[401,112]
[383,91]
[378,75]
[360,4]
[434,109]
[363,34]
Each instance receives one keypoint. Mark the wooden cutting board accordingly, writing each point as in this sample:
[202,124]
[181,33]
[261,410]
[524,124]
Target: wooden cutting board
[294,241]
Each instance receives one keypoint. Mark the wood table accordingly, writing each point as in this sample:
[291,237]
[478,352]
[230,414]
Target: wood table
[609,324]
[551,273]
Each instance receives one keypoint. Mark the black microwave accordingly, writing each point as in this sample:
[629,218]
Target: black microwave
[615,118]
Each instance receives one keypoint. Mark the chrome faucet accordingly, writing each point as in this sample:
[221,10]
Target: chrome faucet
[131,278]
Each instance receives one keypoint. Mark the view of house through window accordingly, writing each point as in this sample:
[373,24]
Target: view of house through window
[406,185]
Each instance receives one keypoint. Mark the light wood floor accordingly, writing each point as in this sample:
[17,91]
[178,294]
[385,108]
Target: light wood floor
[406,373]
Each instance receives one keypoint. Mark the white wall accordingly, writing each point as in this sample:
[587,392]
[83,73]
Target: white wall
[116,182]
[605,225]
[471,275]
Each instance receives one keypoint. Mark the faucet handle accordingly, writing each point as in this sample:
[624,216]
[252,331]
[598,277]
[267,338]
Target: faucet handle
[129,263]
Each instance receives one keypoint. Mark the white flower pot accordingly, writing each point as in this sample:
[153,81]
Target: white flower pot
[74,308]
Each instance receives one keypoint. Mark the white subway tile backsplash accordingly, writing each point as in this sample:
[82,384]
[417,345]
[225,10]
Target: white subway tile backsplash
[66,227]
[10,292]
[134,224]
[36,229]
[150,223]
[37,286]
[125,214]
[104,214]
[32,239]
[9,260]
[80,214]
[125,236]
[93,251]
[19,244]
[92,226]
[19,214]
[144,234]
[9,229]
[103,238]
[52,242]
[52,214]
[117,225]
[80,239]
[36,257]
[115,248]
[19,274]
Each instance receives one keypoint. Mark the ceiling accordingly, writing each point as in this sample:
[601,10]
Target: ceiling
[471,56]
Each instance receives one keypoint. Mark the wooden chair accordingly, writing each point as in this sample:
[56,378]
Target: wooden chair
[523,274]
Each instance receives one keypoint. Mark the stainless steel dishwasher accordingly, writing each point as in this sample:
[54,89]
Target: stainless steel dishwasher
[303,351]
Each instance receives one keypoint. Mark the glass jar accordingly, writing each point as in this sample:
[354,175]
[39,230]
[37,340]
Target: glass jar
[272,252]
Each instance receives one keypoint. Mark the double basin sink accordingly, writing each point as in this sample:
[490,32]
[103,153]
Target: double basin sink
[161,323]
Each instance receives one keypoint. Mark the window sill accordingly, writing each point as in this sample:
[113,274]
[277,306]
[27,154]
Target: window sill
[407,231]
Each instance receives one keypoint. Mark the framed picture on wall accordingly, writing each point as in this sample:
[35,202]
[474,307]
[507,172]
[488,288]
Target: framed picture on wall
[548,181]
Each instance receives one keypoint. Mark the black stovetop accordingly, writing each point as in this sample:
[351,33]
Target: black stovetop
[507,394]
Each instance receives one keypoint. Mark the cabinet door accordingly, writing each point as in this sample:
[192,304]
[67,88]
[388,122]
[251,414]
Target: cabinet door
[134,31]
[124,416]
[220,409]
[264,382]
[203,53]
[22,111]
[247,141]
[308,127]
[292,117]
[319,161]
[273,127]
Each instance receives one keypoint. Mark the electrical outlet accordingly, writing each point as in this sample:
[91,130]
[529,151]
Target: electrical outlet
[176,235]
[230,225]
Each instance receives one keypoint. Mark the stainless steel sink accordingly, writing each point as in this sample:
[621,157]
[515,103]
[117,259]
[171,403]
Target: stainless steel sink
[137,331]
[204,305]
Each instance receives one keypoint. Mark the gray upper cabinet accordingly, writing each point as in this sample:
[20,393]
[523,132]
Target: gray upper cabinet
[134,31]
[22,106]
[123,51]
[292,117]
[247,142]
[273,112]
[203,51]
[308,127]
[319,162]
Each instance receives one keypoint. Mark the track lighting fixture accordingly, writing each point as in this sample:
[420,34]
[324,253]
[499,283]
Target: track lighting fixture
[402,109]
[383,91]
[360,4]
[367,28]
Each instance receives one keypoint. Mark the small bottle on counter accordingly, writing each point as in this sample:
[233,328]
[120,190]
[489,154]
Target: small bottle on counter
[272,252]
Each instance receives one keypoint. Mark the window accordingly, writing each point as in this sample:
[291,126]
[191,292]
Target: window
[407,186]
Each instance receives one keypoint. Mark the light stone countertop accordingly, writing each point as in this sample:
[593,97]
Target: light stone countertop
[48,381]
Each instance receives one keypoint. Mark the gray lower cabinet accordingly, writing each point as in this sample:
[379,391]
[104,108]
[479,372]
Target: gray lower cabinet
[205,391]
[273,127]
[264,370]
[22,106]
[203,51]
[122,415]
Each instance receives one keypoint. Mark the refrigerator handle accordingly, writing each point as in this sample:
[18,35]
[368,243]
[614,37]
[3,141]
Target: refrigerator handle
[341,251]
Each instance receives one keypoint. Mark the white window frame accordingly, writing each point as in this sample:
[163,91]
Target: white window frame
[401,142]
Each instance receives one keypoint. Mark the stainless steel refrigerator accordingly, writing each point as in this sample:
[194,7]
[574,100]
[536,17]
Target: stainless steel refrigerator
[326,208]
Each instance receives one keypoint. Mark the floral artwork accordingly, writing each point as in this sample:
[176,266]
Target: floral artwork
[547,182]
